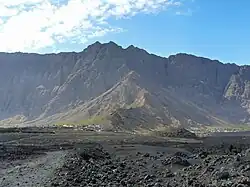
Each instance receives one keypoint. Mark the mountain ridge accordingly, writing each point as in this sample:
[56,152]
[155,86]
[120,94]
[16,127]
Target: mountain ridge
[125,48]
[183,89]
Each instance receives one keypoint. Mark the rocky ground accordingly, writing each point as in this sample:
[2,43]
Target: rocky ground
[96,166]
[104,159]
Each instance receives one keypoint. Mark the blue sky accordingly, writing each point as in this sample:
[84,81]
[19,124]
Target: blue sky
[217,29]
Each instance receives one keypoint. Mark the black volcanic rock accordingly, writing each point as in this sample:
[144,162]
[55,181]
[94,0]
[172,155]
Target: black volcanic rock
[177,132]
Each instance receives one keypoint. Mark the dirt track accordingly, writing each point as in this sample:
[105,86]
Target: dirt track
[75,158]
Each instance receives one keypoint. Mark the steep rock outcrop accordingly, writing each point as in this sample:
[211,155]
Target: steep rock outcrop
[181,89]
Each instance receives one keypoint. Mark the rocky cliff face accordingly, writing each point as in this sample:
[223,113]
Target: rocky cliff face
[105,78]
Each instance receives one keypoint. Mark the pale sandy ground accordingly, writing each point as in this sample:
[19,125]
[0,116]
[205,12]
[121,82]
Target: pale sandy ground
[32,172]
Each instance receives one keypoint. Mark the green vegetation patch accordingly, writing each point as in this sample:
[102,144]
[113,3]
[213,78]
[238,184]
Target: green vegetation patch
[232,128]
[133,105]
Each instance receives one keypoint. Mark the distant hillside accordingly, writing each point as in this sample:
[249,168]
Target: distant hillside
[130,88]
